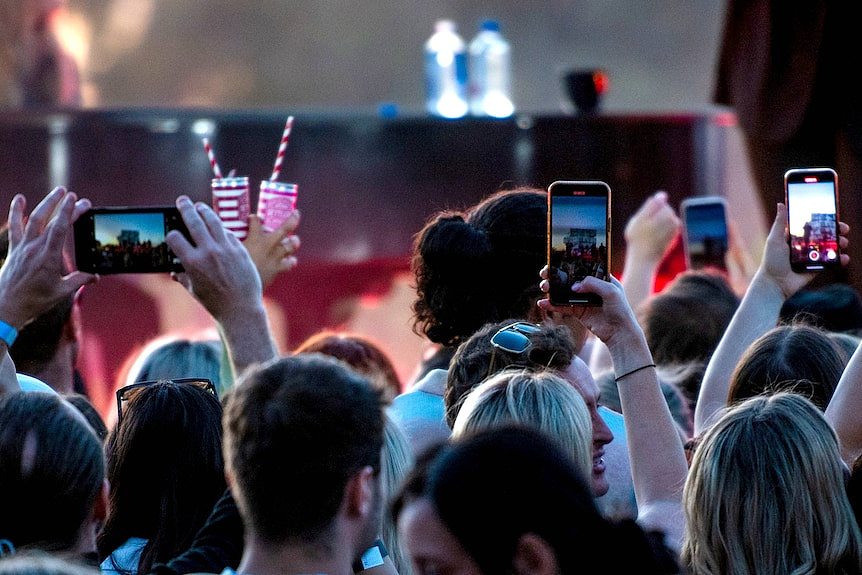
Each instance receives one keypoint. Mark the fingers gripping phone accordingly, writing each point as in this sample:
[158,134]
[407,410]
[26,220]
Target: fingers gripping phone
[811,197]
[120,240]
[579,239]
[705,237]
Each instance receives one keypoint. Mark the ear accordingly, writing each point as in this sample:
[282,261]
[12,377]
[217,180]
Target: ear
[100,507]
[359,492]
[534,556]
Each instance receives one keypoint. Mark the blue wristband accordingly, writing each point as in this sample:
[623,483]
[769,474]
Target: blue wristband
[7,333]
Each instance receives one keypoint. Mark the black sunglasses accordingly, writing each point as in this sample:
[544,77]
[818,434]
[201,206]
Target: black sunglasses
[126,393]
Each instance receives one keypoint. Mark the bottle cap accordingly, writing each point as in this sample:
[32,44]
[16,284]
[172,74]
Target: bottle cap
[490,25]
[444,26]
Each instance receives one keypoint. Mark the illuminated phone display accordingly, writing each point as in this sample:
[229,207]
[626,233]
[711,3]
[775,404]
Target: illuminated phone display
[578,238]
[812,218]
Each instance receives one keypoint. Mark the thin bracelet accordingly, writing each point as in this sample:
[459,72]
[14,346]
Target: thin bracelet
[637,369]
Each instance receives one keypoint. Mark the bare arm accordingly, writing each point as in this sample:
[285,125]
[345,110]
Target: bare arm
[648,234]
[658,462]
[844,409]
[221,275]
[757,313]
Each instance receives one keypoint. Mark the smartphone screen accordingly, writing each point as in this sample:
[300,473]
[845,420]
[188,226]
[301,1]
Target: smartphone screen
[705,232]
[578,238]
[812,218]
[119,240]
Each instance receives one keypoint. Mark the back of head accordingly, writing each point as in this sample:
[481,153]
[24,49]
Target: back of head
[765,494]
[685,322]
[165,469]
[543,401]
[797,357]
[38,341]
[477,359]
[481,266]
[833,307]
[174,358]
[51,471]
[296,430]
[491,488]
[360,353]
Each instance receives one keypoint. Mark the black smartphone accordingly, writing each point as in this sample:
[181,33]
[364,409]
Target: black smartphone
[704,238]
[811,197]
[579,239]
[127,240]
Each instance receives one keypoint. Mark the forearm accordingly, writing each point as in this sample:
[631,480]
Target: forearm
[8,377]
[247,339]
[844,409]
[658,462]
[757,313]
[639,273]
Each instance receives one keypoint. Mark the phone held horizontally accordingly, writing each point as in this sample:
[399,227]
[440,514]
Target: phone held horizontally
[579,239]
[704,238]
[811,196]
[121,240]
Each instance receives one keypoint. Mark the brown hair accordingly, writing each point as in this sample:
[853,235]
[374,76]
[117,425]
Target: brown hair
[477,359]
[362,354]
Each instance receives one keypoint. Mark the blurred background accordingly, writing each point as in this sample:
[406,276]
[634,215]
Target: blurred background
[658,54]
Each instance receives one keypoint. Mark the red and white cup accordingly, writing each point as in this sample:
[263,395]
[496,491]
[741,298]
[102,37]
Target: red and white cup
[232,204]
[276,202]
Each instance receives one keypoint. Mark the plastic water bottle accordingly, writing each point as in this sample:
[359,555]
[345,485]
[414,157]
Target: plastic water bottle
[446,72]
[490,76]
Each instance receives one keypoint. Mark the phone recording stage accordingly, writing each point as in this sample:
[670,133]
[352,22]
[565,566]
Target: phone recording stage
[813,226]
[578,242]
[113,241]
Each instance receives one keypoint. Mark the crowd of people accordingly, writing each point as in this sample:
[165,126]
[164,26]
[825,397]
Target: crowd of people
[701,428]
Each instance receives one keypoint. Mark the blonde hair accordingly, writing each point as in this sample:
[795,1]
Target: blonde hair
[542,401]
[765,494]
[395,463]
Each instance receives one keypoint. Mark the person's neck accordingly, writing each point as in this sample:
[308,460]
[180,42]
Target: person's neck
[59,373]
[260,558]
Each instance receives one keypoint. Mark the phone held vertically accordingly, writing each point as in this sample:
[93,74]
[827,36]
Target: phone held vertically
[579,239]
[122,240]
[705,237]
[811,197]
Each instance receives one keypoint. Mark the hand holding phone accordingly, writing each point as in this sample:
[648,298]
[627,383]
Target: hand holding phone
[705,234]
[579,239]
[812,218]
[120,240]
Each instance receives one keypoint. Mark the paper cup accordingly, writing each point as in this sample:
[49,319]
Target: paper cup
[232,204]
[276,202]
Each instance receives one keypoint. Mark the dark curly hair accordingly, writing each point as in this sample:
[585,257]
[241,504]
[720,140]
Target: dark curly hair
[479,266]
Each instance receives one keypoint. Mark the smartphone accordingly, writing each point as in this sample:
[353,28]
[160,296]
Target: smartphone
[704,237]
[579,239]
[811,197]
[127,240]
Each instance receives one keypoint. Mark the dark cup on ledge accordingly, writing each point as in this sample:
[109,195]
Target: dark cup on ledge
[585,88]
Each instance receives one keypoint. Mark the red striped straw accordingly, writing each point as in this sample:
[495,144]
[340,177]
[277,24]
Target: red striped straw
[279,158]
[211,156]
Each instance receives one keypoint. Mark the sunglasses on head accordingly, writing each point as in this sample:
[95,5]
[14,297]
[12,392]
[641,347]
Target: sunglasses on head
[515,338]
[124,394]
